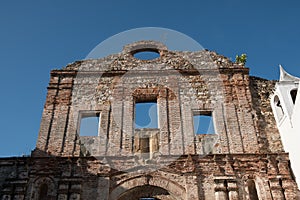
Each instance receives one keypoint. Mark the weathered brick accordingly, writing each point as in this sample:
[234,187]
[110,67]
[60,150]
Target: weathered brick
[245,149]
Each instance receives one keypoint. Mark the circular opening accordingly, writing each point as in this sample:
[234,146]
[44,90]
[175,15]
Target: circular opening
[174,40]
[146,54]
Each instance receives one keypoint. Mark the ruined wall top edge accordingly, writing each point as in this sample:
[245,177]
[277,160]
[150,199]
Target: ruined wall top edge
[184,60]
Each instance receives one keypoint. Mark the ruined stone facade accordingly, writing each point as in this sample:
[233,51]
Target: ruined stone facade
[243,159]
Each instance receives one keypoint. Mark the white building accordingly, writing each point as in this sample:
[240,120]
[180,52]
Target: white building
[286,108]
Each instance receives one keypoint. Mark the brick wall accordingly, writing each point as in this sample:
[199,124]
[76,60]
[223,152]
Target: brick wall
[181,82]
[244,159]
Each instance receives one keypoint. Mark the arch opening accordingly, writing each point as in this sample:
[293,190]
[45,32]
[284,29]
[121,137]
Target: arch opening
[146,54]
[43,192]
[293,94]
[278,108]
[148,192]
[252,190]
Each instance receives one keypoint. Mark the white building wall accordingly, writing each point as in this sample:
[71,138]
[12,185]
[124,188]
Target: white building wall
[294,144]
[289,123]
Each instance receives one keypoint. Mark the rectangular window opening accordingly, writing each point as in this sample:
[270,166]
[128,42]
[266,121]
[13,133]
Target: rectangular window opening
[89,124]
[203,123]
[146,115]
[145,145]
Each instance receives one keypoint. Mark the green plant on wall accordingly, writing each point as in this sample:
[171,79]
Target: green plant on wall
[241,59]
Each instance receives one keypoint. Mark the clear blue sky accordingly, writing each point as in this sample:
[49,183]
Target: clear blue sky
[37,36]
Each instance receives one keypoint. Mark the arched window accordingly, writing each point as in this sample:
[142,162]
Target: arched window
[43,188]
[294,95]
[278,107]
[252,190]
[43,192]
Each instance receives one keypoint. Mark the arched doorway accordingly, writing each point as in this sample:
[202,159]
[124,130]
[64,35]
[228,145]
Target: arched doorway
[146,192]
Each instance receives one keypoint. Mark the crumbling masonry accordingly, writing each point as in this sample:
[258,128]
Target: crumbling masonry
[243,159]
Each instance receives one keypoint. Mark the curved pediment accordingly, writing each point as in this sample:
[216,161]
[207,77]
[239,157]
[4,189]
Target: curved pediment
[165,60]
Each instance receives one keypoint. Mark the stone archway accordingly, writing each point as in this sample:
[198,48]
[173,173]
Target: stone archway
[45,185]
[146,191]
[157,185]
